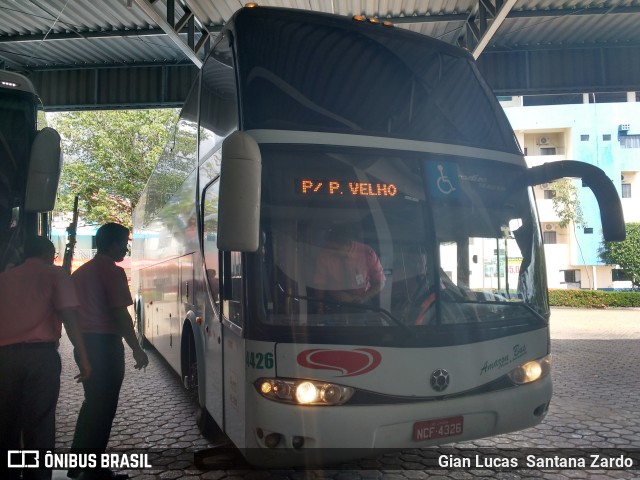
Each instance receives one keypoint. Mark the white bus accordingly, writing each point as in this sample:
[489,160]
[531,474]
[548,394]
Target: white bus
[30,164]
[302,126]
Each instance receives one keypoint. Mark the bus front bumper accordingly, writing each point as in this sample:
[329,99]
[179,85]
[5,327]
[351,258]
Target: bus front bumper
[338,433]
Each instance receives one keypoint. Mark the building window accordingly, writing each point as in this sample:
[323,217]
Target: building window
[584,138]
[549,194]
[626,190]
[588,230]
[619,275]
[629,141]
[547,150]
[549,238]
[571,276]
[606,137]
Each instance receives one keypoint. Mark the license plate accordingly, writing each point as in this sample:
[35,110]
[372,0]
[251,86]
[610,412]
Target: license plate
[439,428]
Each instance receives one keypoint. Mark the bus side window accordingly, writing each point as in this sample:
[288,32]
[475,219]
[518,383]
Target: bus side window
[210,241]
[218,99]
[232,287]
[236,277]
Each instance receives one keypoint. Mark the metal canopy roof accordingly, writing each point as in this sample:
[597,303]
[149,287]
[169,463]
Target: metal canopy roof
[133,53]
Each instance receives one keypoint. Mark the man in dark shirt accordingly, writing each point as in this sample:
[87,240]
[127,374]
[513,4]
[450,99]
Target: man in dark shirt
[104,296]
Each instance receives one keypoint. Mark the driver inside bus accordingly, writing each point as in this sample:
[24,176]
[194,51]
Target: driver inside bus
[347,271]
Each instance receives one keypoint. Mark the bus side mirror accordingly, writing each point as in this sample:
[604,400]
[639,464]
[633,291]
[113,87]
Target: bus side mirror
[45,164]
[239,203]
[611,216]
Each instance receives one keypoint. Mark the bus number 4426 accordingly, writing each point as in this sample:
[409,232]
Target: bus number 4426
[259,361]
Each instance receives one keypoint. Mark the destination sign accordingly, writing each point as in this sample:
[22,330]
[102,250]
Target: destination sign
[337,188]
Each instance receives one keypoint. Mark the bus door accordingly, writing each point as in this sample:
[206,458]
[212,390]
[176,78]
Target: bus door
[224,357]
[233,347]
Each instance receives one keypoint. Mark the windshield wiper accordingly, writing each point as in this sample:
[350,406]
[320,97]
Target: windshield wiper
[509,304]
[357,306]
[535,312]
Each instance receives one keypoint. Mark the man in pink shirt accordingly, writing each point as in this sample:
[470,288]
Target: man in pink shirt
[347,271]
[104,296]
[35,298]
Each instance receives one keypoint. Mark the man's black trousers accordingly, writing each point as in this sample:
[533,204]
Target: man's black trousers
[101,392]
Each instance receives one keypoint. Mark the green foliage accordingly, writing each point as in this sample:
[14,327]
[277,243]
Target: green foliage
[566,203]
[593,298]
[626,254]
[108,157]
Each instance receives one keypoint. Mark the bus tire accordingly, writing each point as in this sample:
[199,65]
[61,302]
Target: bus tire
[208,427]
[189,362]
[205,422]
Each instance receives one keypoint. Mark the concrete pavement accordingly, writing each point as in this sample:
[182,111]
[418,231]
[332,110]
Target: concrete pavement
[596,405]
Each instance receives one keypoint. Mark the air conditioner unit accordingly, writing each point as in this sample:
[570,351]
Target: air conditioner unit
[544,140]
[549,227]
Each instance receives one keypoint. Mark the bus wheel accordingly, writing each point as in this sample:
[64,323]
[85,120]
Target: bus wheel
[208,427]
[189,362]
[206,424]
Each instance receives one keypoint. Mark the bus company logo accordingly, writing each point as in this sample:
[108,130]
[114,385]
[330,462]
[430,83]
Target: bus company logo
[349,363]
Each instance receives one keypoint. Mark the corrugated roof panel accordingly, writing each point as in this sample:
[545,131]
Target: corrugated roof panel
[219,12]
[214,13]
[77,15]
[120,86]
[566,30]
[445,31]
[21,18]
[96,51]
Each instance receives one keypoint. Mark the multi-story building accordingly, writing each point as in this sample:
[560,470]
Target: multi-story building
[603,134]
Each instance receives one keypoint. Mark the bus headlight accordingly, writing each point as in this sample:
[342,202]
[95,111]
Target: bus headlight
[306,393]
[531,371]
[303,392]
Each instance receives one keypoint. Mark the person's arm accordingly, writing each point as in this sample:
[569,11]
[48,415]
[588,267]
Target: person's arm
[124,324]
[376,286]
[70,321]
[377,278]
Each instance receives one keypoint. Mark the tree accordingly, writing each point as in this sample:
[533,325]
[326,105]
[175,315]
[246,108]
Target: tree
[626,254]
[109,156]
[566,203]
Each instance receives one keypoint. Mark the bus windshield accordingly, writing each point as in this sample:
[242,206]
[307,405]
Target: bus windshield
[383,83]
[355,237]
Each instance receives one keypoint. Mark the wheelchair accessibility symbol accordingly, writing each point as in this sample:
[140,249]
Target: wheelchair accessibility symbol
[444,183]
[444,176]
